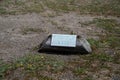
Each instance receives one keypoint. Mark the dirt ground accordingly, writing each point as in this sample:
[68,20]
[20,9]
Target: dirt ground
[24,24]
[17,38]
[20,34]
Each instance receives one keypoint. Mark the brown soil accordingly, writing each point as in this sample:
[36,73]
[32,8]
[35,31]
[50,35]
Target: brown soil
[17,40]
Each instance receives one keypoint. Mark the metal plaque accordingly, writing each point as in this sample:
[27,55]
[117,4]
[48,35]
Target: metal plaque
[63,40]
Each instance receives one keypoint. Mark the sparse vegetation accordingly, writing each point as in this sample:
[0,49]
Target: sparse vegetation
[64,28]
[110,25]
[104,60]
[3,68]
[32,30]
[54,23]
[72,32]
[94,43]
[79,71]
[35,48]
[100,56]
[113,29]
[92,7]
[33,64]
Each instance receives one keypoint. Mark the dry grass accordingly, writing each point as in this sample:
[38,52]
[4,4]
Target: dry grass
[96,7]
[100,63]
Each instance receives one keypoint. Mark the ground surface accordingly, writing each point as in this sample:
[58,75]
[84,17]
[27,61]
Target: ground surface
[21,33]
[25,24]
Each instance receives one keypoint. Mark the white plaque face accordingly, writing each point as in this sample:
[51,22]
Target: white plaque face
[63,40]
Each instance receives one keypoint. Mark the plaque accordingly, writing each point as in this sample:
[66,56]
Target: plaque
[63,40]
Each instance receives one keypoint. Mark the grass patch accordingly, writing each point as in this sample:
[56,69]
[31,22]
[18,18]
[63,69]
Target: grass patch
[3,10]
[33,64]
[37,62]
[36,76]
[35,48]
[94,43]
[54,23]
[117,58]
[62,6]
[109,25]
[112,27]
[64,28]
[100,56]
[37,8]
[112,32]
[79,71]
[32,30]
[113,41]
[99,7]
[3,68]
